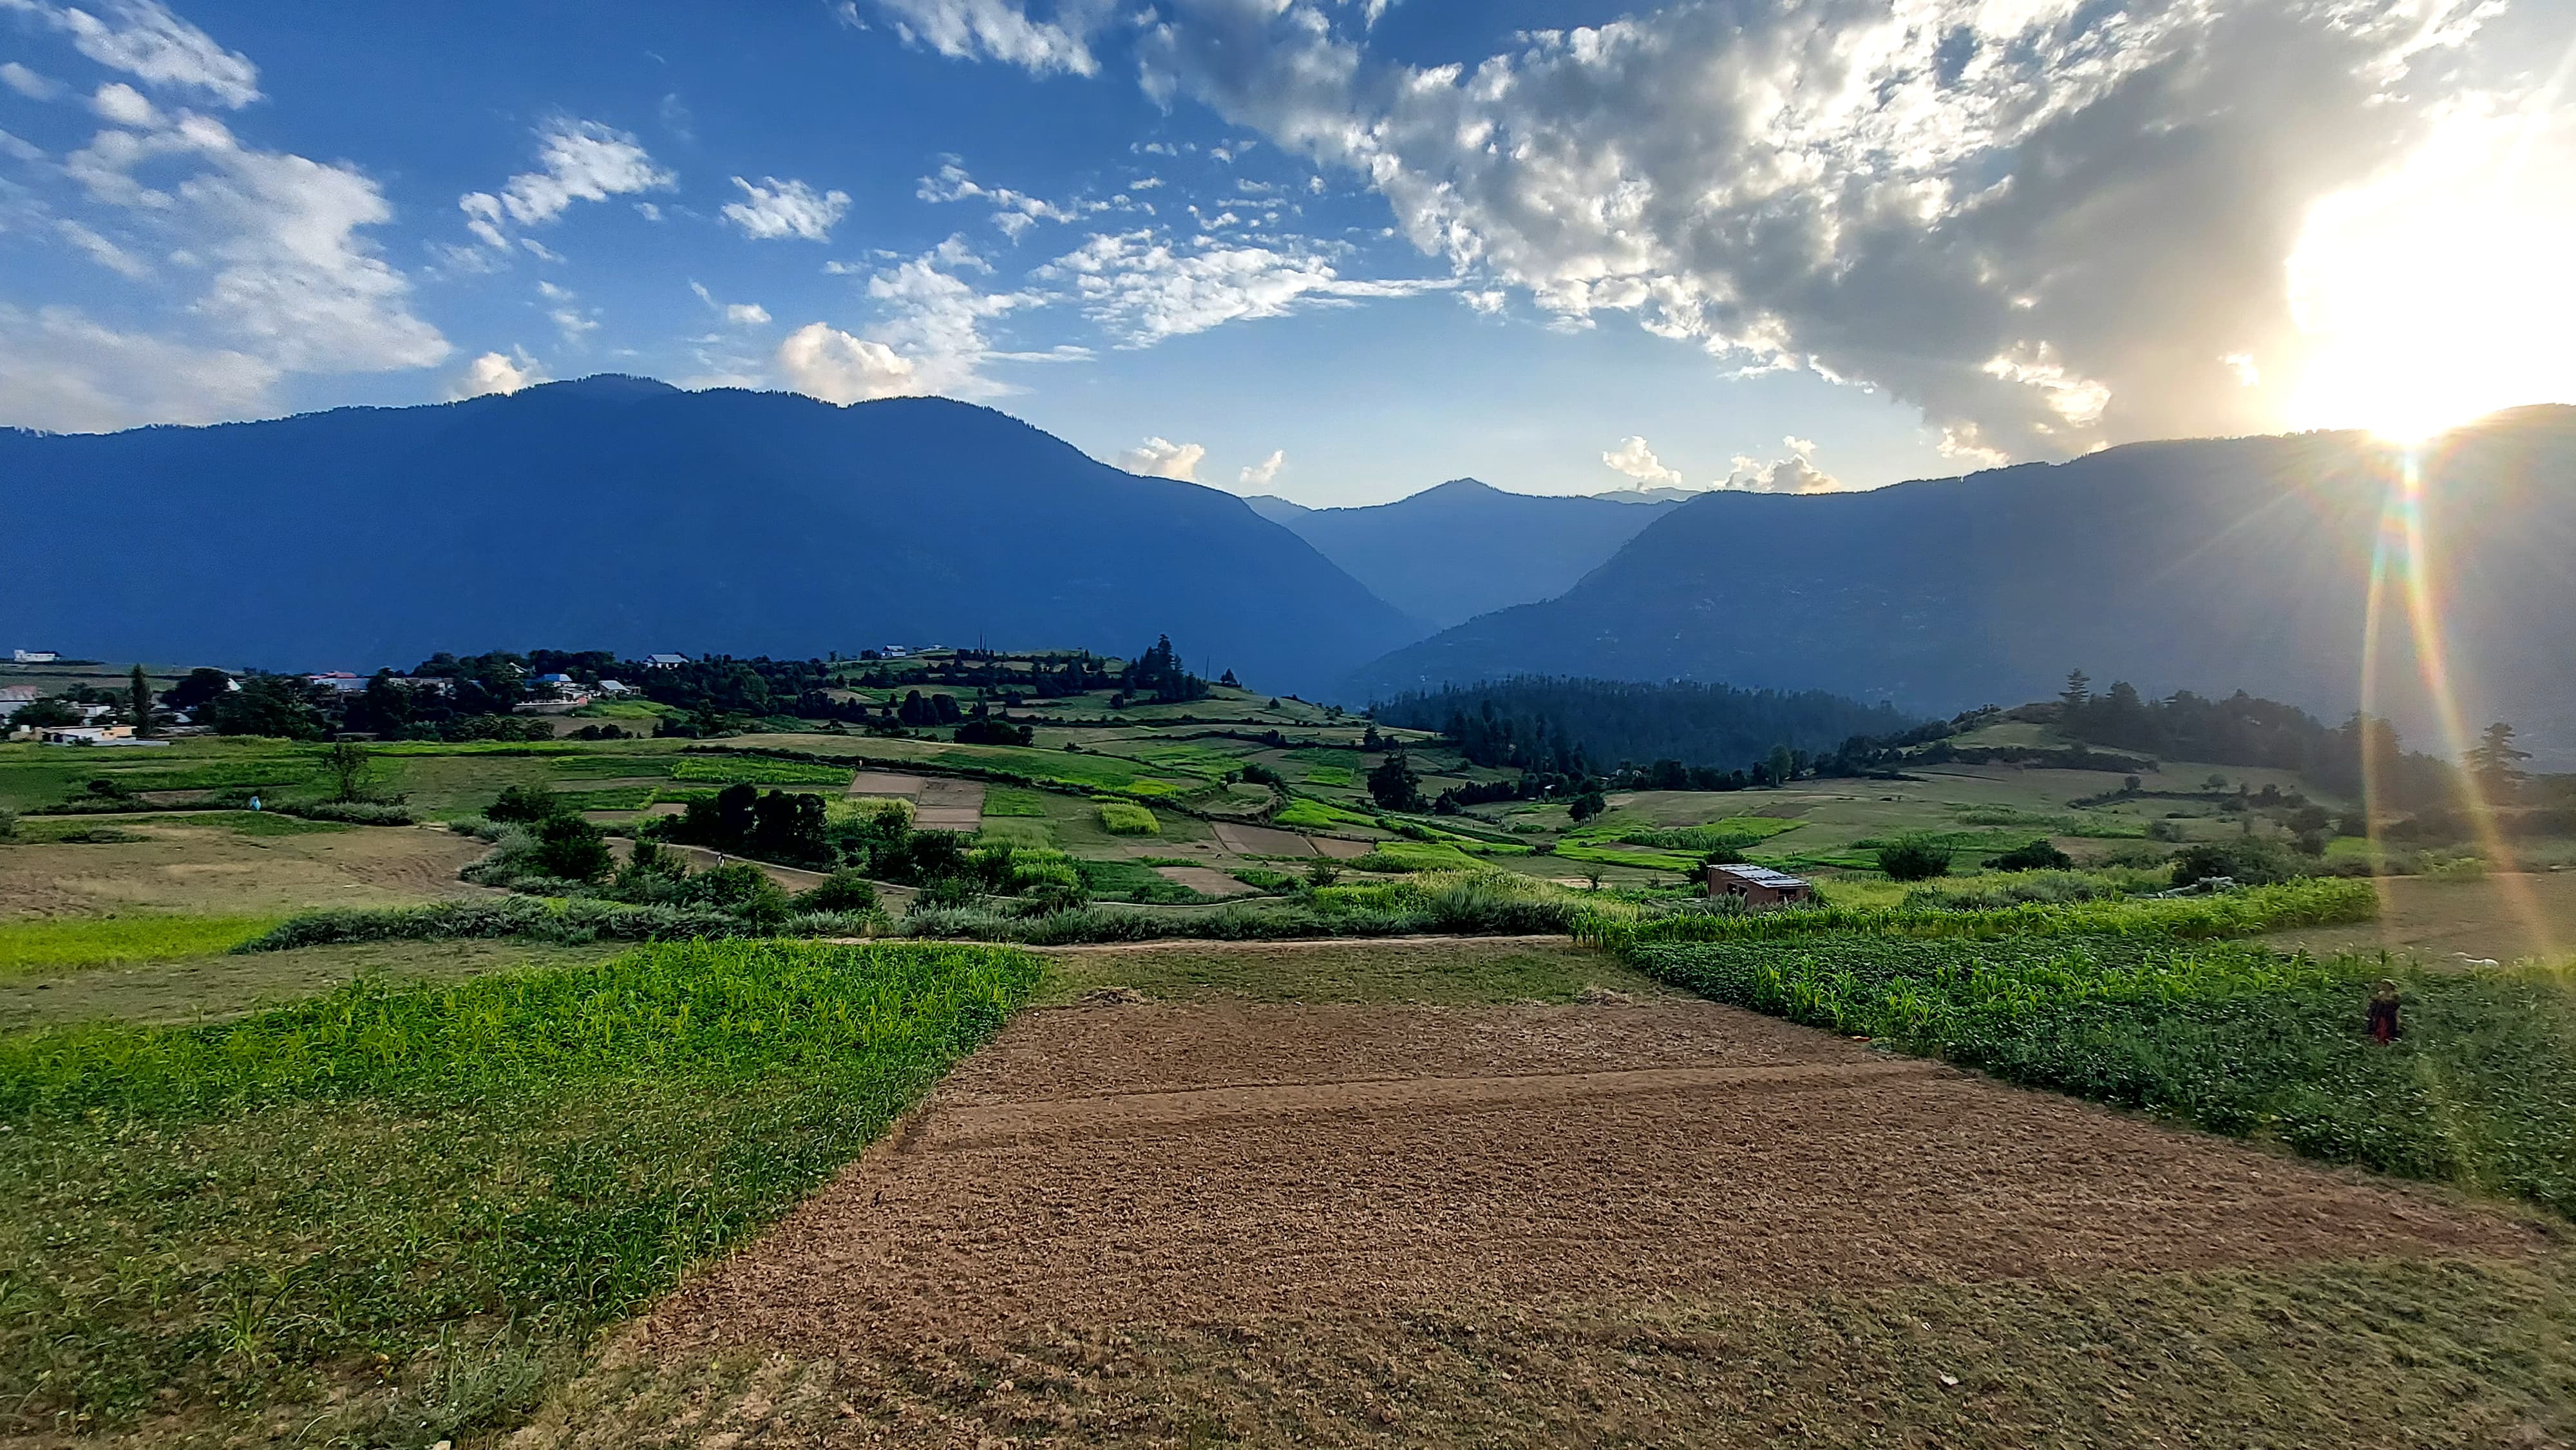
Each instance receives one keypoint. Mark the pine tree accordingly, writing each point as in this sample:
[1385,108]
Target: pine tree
[139,696]
[2079,690]
[2496,764]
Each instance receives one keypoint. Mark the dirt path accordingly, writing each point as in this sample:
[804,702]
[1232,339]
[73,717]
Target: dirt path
[1164,1164]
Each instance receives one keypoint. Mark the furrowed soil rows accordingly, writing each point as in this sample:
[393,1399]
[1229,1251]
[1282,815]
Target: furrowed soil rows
[1189,1165]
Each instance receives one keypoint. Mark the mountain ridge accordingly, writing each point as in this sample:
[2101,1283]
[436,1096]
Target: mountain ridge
[1463,548]
[621,513]
[2183,564]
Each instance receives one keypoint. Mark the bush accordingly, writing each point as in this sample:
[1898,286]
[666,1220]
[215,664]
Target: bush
[740,890]
[569,848]
[8,824]
[1913,860]
[2037,856]
[2248,861]
[842,891]
[352,813]
[524,804]
[946,893]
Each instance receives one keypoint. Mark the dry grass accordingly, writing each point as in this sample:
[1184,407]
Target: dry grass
[2502,917]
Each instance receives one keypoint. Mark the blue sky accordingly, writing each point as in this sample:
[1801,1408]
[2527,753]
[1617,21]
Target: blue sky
[1337,249]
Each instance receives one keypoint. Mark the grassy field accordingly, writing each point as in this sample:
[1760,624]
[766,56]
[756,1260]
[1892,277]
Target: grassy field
[1454,972]
[205,988]
[2144,1008]
[392,1214]
[51,945]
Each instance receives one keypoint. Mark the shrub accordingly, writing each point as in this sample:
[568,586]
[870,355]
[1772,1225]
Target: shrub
[2248,861]
[2037,856]
[353,813]
[740,890]
[946,893]
[842,891]
[8,824]
[523,803]
[569,848]
[1913,859]
[1126,818]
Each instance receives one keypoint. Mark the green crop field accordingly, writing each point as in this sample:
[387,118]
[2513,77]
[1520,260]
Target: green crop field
[1125,818]
[758,770]
[1002,800]
[391,1215]
[56,944]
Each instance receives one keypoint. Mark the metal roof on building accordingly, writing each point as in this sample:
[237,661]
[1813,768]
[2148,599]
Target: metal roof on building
[1761,876]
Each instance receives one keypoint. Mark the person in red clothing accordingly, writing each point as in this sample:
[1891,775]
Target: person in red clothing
[2383,1012]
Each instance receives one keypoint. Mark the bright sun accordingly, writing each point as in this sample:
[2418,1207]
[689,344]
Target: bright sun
[2443,290]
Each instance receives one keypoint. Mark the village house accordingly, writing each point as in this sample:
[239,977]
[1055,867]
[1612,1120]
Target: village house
[33,656]
[666,662]
[1759,886]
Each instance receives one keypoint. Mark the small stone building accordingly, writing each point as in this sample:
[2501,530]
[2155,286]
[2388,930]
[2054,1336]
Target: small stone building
[1759,885]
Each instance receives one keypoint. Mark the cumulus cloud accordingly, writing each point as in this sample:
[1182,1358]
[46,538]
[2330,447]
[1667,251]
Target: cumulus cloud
[735,314]
[144,40]
[577,161]
[2045,223]
[1144,288]
[1162,458]
[1633,458]
[824,362]
[30,84]
[292,275]
[1266,472]
[1796,473]
[773,209]
[1002,30]
[495,372]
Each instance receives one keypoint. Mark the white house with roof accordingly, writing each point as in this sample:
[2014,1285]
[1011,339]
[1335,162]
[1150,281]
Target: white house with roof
[666,662]
[33,656]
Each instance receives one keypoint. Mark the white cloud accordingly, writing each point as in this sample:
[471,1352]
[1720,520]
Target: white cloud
[496,373]
[1013,211]
[28,83]
[1145,288]
[827,363]
[292,276]
[1263,474]
[578,161]
[17,149]
[1796,473]
[143,39]
[735,314]
[1633,458]
[102,251]
[774,209]
[1162,458]
[1001,30]
[120,104]
[61,371]
[2044,223]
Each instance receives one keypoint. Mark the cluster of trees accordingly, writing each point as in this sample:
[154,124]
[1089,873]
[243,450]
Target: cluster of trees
[1157,674]
[1573,727]
[2245,729]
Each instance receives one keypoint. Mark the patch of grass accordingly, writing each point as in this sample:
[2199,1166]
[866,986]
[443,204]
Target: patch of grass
[1628,856]
[1401,855]
[261,823]
[1458,973]
[1003,800]
[205,988]
[1134,881]
[1125,818]
[62,944]
[337,1212]
[758,770]
[1331,777]
[1305,813]
[2479,1092]
[2310,902]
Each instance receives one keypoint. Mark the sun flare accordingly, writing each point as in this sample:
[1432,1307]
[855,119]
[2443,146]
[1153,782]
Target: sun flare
[2440,291]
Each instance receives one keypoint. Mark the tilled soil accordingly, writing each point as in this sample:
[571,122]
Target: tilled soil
[1150,1164]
